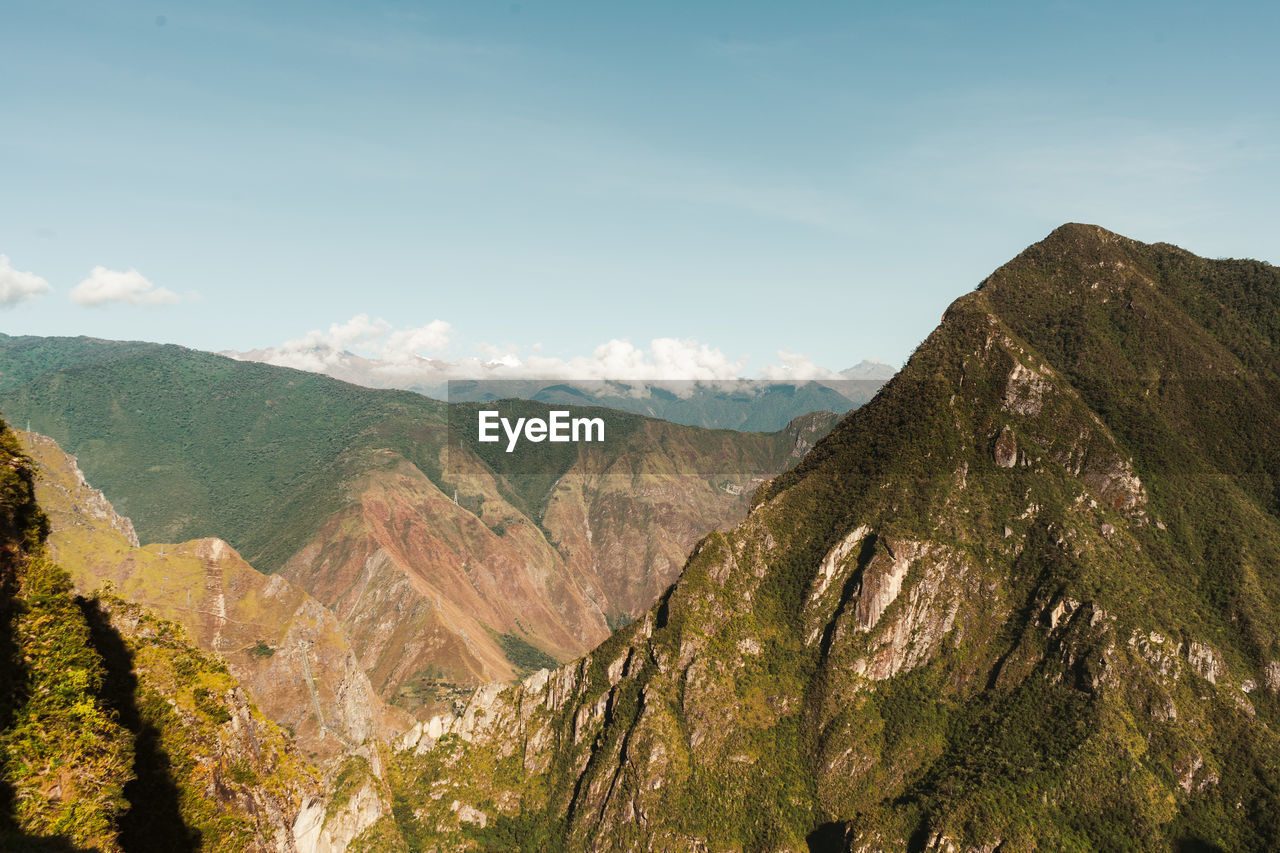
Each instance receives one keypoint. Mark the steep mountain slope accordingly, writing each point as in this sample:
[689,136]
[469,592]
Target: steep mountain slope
[445,574]
[1027,598]
[285,648]
[437,592]
[116,733]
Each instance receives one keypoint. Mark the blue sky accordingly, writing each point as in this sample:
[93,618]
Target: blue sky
[817,178]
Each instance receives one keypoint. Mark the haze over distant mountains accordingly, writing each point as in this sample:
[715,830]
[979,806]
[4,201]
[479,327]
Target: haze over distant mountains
[707,393]
[695,395]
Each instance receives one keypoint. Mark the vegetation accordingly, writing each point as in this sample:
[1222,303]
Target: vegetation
[259,455]
[64,756]
[202,770]
[64,761]
[524,656]
[1026,598]
[224,441]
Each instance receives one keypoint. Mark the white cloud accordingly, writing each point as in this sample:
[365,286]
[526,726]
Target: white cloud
[370,351]
[357,331]
[797,367]
[131,287]
[18,286]
[363,344]
[407,344]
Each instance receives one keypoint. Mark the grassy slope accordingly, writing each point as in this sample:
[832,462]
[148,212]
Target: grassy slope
[63,760]
[226,606]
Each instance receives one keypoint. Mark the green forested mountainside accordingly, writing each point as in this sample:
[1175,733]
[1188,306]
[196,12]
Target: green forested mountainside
[24,358]
[116,733]
[1028,598]
[188,444]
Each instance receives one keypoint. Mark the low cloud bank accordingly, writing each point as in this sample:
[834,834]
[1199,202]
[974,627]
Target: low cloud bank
[370,351]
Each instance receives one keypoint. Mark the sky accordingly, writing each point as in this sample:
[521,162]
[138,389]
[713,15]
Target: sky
[734,188]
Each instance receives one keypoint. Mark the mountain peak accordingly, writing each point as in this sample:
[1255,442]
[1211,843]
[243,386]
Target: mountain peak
[1041,561]
[1081,238]
[1072,242]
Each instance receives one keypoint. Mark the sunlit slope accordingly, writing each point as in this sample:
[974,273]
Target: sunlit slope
[116,731]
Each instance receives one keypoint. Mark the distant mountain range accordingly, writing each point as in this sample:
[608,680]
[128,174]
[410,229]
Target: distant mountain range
[751,405]
[759,405]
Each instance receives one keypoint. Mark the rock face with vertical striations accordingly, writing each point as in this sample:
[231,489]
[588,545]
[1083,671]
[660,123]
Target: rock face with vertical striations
[1026,598]
[437,591]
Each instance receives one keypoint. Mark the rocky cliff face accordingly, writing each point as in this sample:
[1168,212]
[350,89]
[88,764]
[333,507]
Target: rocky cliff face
[212,771]
[420,582]
[1024,599]
[444,591]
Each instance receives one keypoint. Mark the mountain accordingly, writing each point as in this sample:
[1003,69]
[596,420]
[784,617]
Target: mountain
[116,732]
[1026,598]
[755,405]
[869,368]
[282,646]
[445,569]
[763,405]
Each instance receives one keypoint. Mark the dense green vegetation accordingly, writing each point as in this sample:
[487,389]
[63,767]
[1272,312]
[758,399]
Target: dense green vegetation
[525,656]
[64,761]
[64,755]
